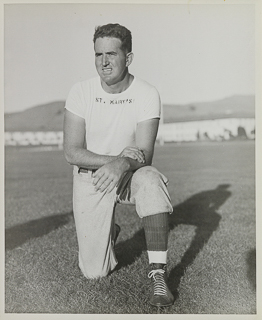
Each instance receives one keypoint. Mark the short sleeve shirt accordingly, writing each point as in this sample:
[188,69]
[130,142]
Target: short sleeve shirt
[111,119]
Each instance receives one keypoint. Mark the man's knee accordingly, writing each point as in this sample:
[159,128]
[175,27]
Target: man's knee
[150,192]
[94,273]
[149,176]
[97,265]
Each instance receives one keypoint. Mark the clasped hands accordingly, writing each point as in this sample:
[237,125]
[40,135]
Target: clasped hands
[108,176]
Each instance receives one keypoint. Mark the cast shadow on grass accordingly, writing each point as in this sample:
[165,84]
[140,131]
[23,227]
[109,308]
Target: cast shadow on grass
[199,211]
[17,235]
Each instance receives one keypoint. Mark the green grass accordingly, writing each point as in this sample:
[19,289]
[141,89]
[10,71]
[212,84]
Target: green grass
[211,267]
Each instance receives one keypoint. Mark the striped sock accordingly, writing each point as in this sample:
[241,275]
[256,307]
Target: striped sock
[156,231]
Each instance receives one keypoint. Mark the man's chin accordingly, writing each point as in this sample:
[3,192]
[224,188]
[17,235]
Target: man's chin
[109,81]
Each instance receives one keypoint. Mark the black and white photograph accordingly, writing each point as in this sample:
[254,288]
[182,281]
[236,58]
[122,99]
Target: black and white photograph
[130,170]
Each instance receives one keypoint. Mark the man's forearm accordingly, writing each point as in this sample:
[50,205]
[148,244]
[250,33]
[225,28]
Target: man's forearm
[84,158]
[133,165]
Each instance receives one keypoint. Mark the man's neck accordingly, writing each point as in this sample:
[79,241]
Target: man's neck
[119,86]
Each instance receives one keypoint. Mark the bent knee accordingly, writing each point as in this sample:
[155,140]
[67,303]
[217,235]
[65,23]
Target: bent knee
[94,274]
[97,270]
[149,175]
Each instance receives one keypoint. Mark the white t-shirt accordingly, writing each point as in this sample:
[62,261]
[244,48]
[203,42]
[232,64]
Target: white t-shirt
[111,119]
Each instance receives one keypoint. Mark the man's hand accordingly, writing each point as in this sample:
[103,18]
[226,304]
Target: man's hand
[108,176]
[134,153]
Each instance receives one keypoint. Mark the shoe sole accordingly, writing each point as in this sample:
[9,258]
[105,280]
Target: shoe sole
[161,305]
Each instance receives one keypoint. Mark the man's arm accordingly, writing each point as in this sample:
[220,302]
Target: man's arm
[145,140]
[108,176]
[74,139]
[76,153]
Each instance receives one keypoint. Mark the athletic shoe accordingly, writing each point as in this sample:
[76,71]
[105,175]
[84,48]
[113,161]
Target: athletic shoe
[161,295]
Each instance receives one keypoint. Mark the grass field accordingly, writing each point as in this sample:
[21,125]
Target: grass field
[211,267]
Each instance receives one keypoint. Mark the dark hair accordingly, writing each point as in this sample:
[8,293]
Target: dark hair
[115,30]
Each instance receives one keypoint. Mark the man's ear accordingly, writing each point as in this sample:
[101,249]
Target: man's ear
[129,58]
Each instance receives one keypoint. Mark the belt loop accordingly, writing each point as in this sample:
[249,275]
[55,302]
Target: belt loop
[79,168]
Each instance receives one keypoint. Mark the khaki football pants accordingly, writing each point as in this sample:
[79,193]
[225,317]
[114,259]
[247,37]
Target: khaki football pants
[94,215]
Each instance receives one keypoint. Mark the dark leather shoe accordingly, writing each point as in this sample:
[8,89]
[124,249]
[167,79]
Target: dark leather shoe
[160,295]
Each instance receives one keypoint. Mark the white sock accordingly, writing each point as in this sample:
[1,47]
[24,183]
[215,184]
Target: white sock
[157,256]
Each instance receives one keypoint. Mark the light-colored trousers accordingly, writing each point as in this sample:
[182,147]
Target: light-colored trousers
[94,215]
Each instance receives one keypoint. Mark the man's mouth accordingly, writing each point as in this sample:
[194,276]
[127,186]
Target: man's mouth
[107,70]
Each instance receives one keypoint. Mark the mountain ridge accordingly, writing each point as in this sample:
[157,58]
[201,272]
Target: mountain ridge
[49,117]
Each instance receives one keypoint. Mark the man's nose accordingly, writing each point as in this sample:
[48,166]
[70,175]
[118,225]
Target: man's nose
[105,60]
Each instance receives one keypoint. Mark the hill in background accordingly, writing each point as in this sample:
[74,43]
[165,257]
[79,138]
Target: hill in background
[233,107]
[46,117]
[49,117]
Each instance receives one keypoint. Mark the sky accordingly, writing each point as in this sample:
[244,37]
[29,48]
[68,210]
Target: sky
[189,52]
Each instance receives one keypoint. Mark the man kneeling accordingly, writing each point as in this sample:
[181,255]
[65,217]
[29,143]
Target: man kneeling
[110,128]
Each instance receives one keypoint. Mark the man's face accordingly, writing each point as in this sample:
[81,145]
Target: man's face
[110,60]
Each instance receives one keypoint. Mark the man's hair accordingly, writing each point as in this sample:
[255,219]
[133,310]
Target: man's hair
[115,30]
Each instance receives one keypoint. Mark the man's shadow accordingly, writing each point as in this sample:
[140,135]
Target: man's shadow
[19,234]
[199,211]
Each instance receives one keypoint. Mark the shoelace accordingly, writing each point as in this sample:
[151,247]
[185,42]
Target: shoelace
[159,282]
